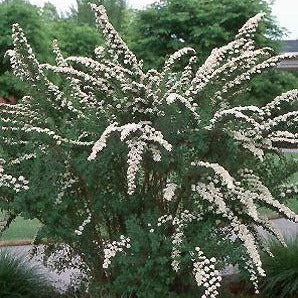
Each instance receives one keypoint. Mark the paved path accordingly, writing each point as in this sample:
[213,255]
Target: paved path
[289,150]
[288,228]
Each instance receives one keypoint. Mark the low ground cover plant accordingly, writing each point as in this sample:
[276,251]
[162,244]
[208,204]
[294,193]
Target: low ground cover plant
[148,182]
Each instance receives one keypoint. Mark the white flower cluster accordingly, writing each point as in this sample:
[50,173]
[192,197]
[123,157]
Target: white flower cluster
[246,76]
[29,129]
[205,274]
[221,172]
[288,190]
[238,114]
[16,183]
[253,276]
[220,200]
[180,223]
[287,97]
[249,140]
[20,159]
[262,193]
[169,192]
[81,228]
[215,195]
[60,61]
[242,44]
[136,150]
[136,146]
[177,56]
[116,46]
[284,137]
[111,249]
[156,154]
[173,97]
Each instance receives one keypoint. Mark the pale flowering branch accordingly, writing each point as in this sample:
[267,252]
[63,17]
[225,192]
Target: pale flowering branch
[170,62]
[116,46]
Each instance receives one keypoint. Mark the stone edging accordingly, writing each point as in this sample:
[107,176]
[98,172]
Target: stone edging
[7,243]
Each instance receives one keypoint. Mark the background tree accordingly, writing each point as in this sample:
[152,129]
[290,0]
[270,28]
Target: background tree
[116,10]
[49,12]
[76,39]
[168,25]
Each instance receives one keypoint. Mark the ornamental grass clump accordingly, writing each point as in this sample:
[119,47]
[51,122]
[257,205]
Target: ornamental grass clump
[282,270]
[19,278]
[146,181]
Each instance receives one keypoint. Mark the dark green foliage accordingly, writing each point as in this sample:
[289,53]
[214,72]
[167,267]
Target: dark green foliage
[75,39]
[153,276]
[282,270]
[19,279]
[276,168]
[269,85]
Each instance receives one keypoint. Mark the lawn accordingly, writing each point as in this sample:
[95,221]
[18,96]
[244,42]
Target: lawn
[293,204]
[21,229]
[294,179]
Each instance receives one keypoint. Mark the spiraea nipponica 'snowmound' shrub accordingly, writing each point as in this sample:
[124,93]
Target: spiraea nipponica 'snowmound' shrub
[148,173]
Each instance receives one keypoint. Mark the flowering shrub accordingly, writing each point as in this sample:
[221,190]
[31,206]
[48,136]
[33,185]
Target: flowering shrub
[152,169]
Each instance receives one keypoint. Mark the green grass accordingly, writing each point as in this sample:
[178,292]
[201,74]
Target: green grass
[21,229]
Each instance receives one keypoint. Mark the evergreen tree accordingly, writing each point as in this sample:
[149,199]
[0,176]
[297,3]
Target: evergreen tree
[49,12]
